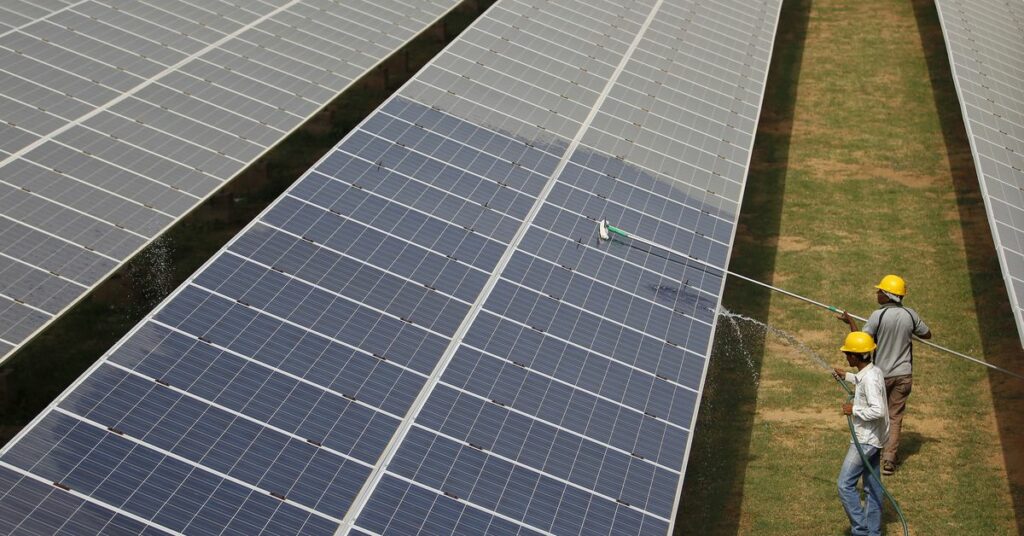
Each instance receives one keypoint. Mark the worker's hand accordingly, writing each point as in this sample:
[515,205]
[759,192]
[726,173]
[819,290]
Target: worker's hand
[847,319]
[847,409]
[838,373]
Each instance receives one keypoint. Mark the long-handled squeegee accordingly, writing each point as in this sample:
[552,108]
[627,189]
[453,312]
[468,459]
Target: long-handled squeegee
[605,231]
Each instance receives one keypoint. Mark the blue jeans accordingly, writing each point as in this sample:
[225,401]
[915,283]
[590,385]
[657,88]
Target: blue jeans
[864,520]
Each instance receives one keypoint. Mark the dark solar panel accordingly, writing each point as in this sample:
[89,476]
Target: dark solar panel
[117,118]
[423,335]
[32,506]
[567,406]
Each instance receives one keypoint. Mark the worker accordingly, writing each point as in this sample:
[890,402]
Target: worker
[871,426]
[892,326]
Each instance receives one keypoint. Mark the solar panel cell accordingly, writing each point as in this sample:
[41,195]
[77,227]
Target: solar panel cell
[28,285]
[319,478]
[313,406]
[19,319]
[29,506]
[410,509]
[149,483]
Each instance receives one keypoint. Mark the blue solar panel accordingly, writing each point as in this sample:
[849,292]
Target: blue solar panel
[566,408]
[153,484]
[423,335]
[31,506]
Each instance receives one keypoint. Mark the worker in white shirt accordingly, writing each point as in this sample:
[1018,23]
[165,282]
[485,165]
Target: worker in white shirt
[871,425]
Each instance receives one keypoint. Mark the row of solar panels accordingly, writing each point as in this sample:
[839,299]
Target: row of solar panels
[117,117]
[985,43]
[423,334]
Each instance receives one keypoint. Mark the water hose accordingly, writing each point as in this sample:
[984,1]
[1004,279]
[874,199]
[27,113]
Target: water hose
[863,457]
[605,231]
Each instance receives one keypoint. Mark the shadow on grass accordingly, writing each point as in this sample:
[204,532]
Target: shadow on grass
[911,443]
[712,490]
[48,364]
[1000,344]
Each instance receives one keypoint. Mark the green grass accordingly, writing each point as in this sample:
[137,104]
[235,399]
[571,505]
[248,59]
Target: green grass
[860,169]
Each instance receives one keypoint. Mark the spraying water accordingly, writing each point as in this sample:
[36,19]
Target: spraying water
[737,345]
[783,336]
[765,328]
[151,276]
[748,359]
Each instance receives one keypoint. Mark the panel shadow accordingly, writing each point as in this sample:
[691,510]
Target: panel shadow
[713,486]
[1000,344]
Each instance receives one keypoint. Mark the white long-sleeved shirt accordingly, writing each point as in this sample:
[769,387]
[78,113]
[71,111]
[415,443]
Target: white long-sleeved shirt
[870,406]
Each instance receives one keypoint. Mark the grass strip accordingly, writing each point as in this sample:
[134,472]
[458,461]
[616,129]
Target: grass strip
[861,168]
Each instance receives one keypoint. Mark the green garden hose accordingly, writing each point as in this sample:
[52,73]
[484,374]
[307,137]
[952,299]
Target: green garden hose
[871,470]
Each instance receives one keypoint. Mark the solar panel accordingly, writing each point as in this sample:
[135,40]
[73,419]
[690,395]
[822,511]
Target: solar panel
[423,335]
[119,116]
[985,43]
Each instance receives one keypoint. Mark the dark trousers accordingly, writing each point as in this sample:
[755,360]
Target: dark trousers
[897,389]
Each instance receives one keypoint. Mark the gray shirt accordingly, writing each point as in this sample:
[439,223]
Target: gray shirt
[892,325]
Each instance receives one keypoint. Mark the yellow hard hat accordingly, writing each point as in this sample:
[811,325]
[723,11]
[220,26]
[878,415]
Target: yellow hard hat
[858,342]
[893,284]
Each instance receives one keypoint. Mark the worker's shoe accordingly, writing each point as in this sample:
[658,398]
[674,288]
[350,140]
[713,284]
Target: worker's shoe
[888,467]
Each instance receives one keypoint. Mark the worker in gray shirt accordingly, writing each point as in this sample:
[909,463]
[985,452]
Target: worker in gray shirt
[892,325]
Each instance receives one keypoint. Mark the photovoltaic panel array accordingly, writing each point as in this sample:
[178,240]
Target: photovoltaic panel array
[423,335]
[985,43]
[119,116]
